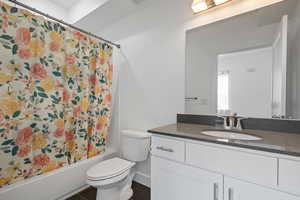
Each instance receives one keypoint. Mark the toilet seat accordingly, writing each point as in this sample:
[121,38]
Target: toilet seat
[114,168]
[112,180]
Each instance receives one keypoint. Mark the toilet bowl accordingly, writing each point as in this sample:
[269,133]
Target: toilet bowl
[113,177]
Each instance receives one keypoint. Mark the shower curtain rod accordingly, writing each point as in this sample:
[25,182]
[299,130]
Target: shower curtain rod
[63,22]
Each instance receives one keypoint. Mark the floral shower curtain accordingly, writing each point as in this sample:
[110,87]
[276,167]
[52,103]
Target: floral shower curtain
[55,95]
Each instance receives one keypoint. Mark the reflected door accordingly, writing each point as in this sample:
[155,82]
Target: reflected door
[280,70]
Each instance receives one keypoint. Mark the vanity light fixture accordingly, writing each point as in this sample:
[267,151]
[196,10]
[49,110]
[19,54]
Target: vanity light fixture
[218,2]
[201,5]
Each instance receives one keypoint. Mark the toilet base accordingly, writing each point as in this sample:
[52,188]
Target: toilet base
[126,192]
[117,191]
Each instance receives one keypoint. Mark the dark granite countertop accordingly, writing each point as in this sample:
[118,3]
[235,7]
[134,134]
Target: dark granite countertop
[274,142]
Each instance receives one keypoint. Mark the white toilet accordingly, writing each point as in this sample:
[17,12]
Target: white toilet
[113,177]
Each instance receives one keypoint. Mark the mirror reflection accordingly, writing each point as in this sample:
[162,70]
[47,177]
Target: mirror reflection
[248,64]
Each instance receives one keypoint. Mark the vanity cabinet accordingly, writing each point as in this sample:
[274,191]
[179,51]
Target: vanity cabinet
[288,180]
[185,169]
[234,163]
[240,190]
[174,181]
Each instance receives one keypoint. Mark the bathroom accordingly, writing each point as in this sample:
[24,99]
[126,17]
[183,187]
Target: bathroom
[162,77]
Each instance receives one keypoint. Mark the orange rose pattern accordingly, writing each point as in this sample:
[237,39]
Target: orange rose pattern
[55,95]
[38,71]
[58,133]
[24,151]
[24,136]
[24,53]
[23,36]
[40,160]
[54,46]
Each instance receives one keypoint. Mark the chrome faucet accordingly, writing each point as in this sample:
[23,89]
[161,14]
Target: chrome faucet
[233,122]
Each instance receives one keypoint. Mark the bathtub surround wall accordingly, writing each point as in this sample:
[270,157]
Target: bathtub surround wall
[152,77]
[56,93]
[58,184]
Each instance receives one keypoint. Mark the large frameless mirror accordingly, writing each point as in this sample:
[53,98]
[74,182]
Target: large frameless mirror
[248,64]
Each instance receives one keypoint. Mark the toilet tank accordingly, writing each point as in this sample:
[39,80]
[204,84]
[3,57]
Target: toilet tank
[135,145]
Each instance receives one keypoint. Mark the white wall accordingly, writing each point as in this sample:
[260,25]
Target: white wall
[201,78]
[250,81]
[153,60]
[151,81]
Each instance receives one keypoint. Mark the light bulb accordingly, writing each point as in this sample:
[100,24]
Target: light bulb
[218,2]
[199,5]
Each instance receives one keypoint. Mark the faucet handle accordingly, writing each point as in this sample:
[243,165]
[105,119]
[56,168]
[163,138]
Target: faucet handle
[239,125]
[225,120]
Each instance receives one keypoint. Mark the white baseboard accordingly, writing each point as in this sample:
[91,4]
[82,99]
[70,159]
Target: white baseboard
[139,177]
[143,179]
[73,192]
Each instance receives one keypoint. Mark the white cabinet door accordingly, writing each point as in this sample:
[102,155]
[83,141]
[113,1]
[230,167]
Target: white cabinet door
[174,181]
[289,176]
[239,190]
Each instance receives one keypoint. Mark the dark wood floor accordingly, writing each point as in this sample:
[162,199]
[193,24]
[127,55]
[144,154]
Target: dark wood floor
[140,192]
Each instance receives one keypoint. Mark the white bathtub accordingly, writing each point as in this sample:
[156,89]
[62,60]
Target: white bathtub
[59,184]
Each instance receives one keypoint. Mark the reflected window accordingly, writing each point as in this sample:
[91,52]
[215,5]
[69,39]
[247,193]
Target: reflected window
[223,92]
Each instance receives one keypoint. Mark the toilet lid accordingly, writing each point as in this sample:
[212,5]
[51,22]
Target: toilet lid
[109,168]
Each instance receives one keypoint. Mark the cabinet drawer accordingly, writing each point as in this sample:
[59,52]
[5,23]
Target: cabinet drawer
[289,176]
[168,148]
[250,167]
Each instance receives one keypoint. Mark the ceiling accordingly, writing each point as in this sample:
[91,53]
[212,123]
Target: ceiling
[109,13]
[65,3]
[96,15]
[92,15]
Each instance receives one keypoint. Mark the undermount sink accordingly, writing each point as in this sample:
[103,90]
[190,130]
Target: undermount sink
[231,135]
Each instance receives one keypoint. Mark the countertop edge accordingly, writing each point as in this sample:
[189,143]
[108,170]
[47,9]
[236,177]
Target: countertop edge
[228,144]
